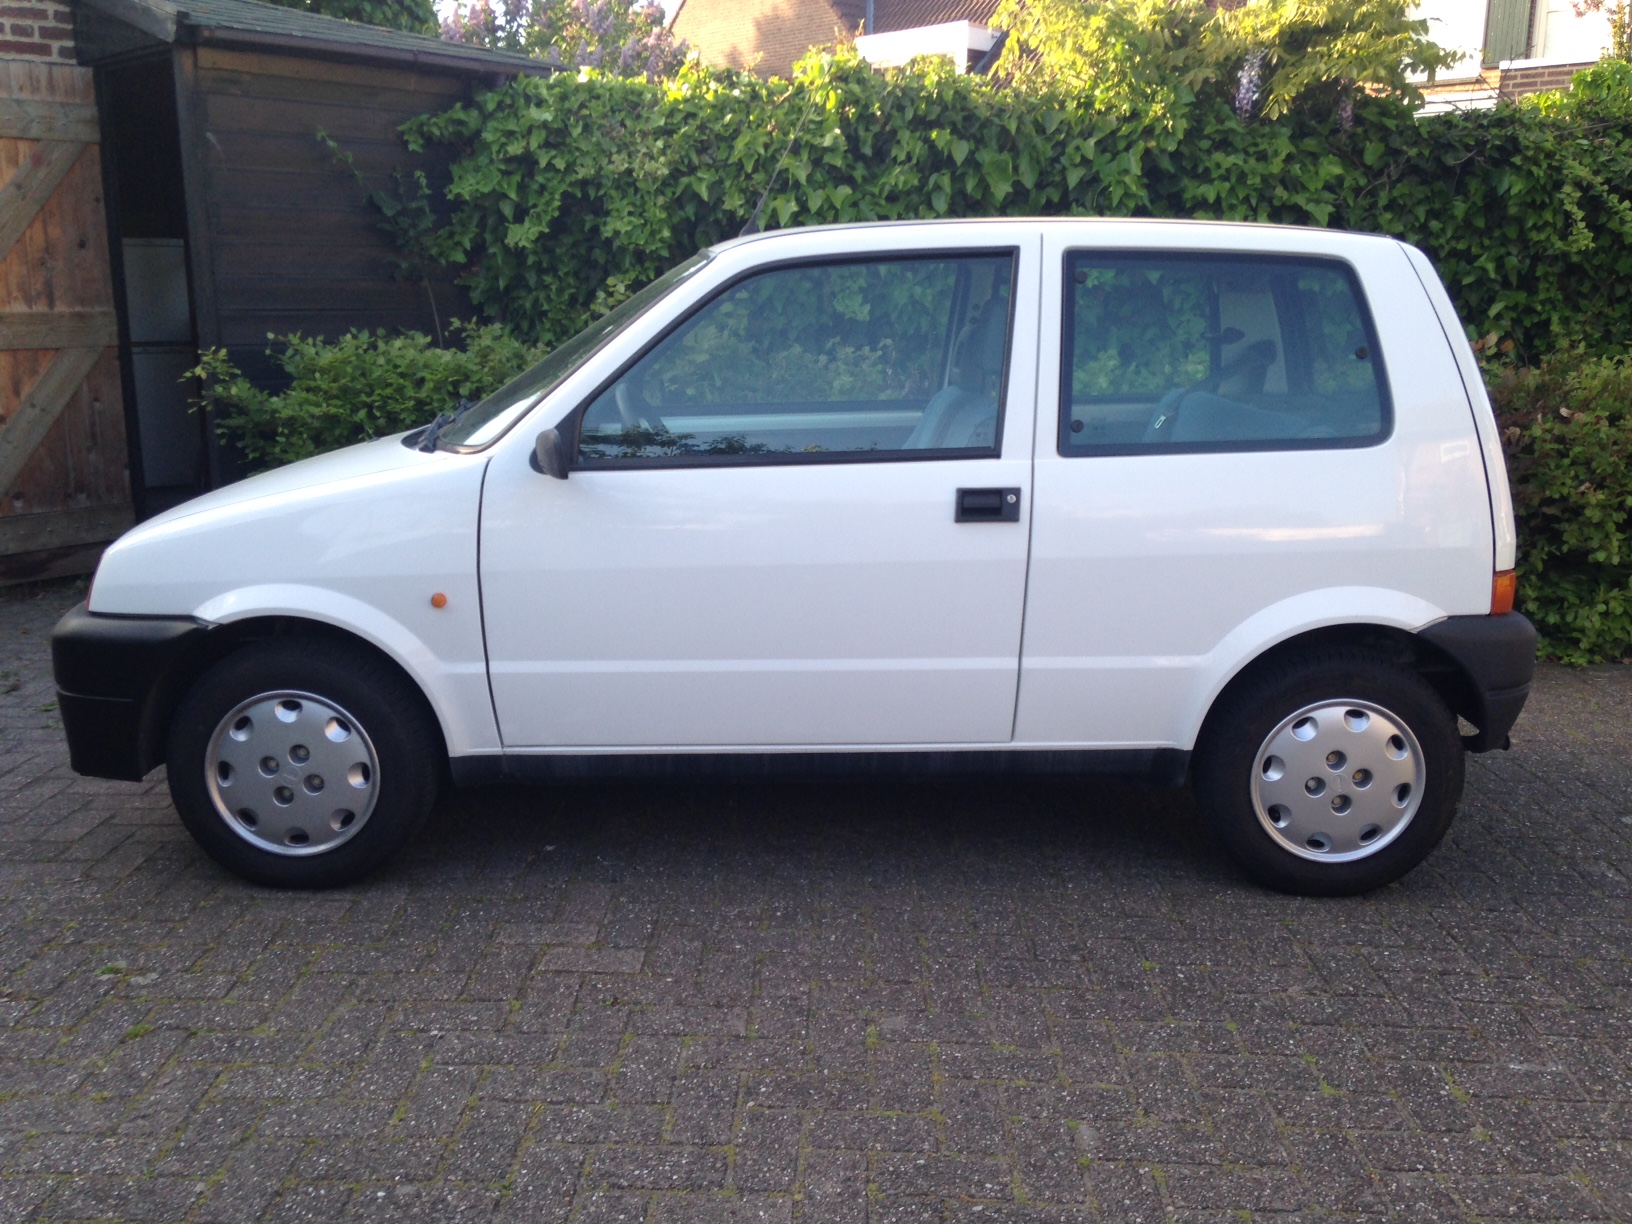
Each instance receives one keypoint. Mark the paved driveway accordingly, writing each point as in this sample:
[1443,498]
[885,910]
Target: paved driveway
[1037,1002]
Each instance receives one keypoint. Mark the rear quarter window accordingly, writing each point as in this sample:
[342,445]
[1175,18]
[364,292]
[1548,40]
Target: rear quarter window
[1169,352]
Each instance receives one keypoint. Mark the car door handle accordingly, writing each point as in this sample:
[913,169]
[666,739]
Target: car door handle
[988,506]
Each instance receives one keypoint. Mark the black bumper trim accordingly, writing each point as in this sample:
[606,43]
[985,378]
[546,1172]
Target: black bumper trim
[117,679]
[1497,656]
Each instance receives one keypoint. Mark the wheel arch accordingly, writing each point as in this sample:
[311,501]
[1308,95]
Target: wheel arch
[227,638]
[1444,674]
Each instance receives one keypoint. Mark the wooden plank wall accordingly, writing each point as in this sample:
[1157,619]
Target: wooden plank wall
[64,464]
[292,242]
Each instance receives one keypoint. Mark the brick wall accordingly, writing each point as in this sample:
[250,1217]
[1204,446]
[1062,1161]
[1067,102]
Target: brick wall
[36,32]
[1503,83]
[764,35]
[1516,82]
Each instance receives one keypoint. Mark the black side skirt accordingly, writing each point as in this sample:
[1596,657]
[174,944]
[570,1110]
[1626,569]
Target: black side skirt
[1163,766]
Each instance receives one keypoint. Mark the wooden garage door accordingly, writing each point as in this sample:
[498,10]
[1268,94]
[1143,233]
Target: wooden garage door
[64,479]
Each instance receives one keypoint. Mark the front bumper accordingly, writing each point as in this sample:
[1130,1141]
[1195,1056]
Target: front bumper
[118,678]
[1496,656]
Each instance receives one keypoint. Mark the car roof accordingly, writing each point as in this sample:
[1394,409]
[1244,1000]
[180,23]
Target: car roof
[1178,223]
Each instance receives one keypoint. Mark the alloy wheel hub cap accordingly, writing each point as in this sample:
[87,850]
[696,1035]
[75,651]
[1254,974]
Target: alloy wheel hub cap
[1337,781]
[292,773]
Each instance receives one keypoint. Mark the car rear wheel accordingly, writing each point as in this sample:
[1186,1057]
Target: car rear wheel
[302,763]
[1330,774]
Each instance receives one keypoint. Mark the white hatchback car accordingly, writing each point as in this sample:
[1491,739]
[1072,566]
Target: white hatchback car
[1169,498]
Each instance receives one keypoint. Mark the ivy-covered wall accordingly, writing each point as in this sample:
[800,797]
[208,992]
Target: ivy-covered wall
[570,193]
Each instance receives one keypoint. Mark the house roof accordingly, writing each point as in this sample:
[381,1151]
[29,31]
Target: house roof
[851,13]
[889,15]
[253,24]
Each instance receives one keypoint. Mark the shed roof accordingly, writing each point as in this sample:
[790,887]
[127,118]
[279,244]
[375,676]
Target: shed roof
[251,23]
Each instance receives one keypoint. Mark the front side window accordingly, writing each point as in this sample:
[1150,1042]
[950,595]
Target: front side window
[489,419]
[1170,352]
[881,358]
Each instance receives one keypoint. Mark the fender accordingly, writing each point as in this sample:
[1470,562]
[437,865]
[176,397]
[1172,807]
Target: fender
[1287,619]
[457,690]
[362,539]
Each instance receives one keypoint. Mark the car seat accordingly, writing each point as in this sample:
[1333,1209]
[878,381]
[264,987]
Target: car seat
[963,413]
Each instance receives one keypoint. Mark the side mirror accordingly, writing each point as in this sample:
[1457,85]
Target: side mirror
[550,454]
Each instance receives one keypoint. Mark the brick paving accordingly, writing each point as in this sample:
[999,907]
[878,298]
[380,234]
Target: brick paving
[1046,1001]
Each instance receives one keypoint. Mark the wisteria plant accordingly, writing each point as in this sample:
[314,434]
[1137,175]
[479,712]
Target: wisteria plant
[613,36]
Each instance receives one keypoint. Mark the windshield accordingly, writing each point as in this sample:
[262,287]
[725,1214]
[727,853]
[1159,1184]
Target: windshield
[495,414]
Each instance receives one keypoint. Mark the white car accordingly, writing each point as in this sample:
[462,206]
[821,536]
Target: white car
[1171,498]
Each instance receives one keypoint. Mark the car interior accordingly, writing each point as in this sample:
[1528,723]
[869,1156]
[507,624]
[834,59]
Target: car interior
[1165,352]
[898,355]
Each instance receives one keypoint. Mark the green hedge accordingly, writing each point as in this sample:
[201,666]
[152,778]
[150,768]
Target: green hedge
[1567,430]
[363,385]
[568,193]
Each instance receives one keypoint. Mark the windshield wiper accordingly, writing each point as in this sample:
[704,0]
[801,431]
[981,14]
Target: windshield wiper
[428,436]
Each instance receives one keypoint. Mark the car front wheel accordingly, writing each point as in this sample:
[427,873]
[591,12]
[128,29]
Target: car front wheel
[302,763]
[1330,774]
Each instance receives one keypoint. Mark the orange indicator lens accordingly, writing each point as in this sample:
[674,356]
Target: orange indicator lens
[439,600]
[1502,590]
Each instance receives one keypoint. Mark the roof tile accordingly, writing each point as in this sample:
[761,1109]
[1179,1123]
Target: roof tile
[908,14]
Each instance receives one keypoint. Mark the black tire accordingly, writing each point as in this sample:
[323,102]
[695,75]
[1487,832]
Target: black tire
[1227,770]
[401,753]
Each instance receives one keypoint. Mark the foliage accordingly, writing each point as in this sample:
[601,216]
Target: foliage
[570,193]
[862,332]
[363,385]
[406,215]
[1606,89]
[1335,46]
[414,16]
[1567,430]
[615,36]
[1153,57]
[1133,57]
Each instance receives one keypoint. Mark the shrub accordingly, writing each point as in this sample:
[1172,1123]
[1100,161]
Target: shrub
[1151,56]
[1567,430]
[364,385]
[569,193]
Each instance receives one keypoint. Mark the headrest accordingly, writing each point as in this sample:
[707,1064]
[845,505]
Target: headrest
[1245,373]
[1259,352]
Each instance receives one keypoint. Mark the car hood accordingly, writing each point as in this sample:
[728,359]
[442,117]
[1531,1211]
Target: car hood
[332,469]
[351,523]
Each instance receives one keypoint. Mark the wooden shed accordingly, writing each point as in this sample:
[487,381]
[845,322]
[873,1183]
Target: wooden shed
[232,133]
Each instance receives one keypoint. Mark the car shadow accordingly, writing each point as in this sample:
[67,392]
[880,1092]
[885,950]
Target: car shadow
[1032,827]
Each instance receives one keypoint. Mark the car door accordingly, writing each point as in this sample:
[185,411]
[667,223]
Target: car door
[797,518]
[1231,462]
